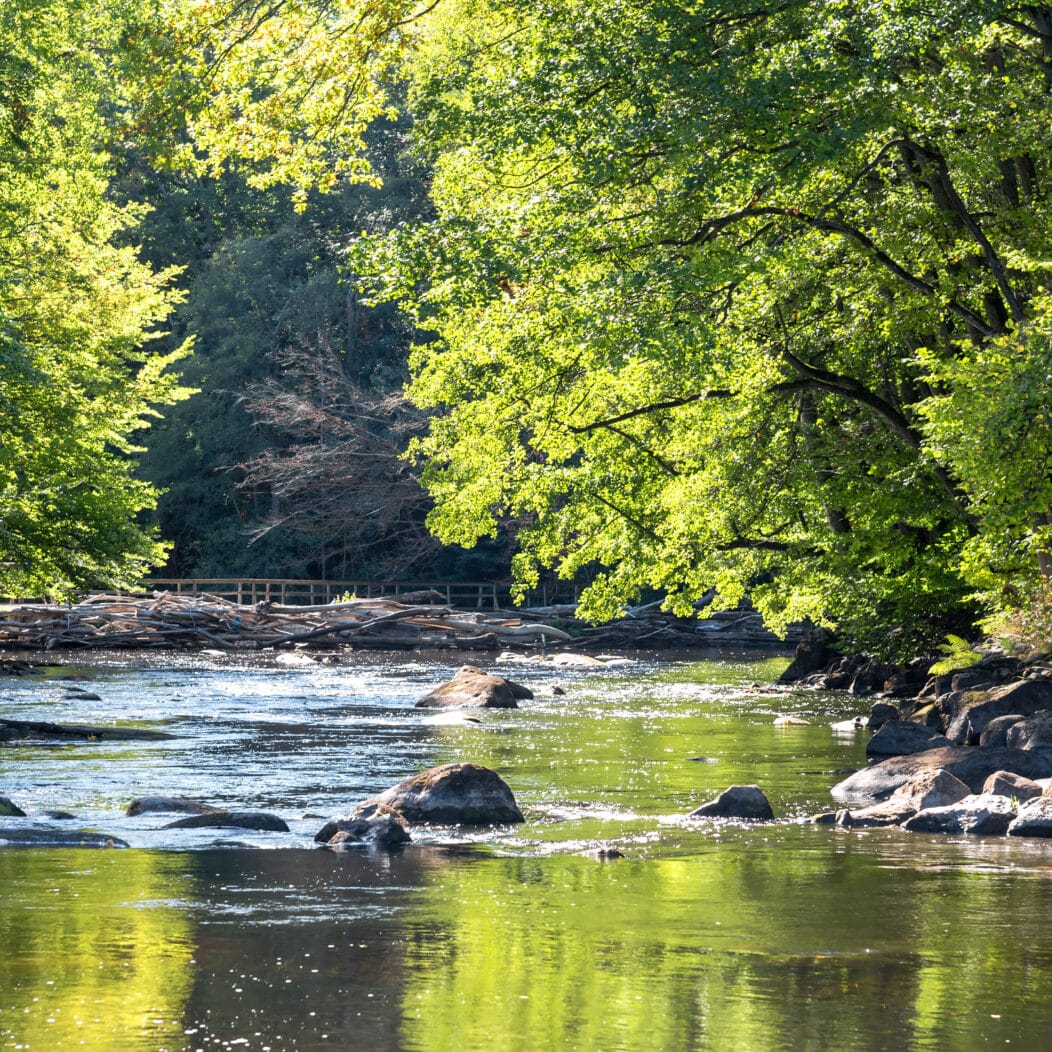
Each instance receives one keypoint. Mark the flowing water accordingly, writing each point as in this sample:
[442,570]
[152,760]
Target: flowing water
[772,936]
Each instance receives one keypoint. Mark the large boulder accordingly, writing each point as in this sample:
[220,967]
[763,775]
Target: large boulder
[995,733]
[1014,786]
[1031,732]
[936,788]
[970,711]
[470,686]
[1034,818]
[453,794]
[258,820]
[814,652]
[981,815]
[901,737]
[739,801]
[382,830]
[882,712]
[971,766]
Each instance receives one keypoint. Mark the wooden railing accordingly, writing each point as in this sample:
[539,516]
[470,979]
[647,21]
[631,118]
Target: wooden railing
[479,595]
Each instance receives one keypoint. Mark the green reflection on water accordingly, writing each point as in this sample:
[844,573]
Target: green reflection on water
[797,940]
[97,949]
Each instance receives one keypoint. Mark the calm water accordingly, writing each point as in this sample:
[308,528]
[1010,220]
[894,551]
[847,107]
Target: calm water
[783,936]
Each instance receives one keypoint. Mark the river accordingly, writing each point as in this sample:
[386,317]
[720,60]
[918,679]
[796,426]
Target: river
[772,936]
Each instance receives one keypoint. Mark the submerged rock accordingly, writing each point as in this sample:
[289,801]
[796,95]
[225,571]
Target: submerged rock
[259,820]
[38,730]
[57,838]
[149,805]
[470,686]
[738,801]
[453,794]
[382,830]
[9,809]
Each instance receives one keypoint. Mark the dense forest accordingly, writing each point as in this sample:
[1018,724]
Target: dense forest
[673,299]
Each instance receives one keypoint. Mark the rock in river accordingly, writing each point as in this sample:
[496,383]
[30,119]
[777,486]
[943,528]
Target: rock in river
[57,838]
[971,765]
[739,801]
[231,820]
[473,687]
[1035,818]
[37,730]
[983,814]
[180,805]
[382,830]
[453,794]
[900,737]
[9,809]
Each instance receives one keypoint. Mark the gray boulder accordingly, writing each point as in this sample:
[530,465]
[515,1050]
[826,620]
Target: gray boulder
[1034,819]
[258,820]
[969,712]
[937,788]
[1031,732]
[739,801]
[180,805]
[470,686]
[902,737]
[881,713]
[453,794]
[982,815]
[1014,786]
[971,766]
[995,733]
[384,830]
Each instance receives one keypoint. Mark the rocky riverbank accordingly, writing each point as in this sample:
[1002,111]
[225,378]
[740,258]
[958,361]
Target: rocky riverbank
[966,751]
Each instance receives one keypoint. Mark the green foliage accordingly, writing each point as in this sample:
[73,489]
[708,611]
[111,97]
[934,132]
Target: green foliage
[78,309]
[700,278]
[959,654]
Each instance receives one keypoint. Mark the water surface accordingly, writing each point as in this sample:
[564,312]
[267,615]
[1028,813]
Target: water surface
[775,936]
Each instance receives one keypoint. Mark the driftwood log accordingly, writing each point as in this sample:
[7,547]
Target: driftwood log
[165,620]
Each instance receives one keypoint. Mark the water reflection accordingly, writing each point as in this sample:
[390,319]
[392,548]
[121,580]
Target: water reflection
[97,949]
[771,937]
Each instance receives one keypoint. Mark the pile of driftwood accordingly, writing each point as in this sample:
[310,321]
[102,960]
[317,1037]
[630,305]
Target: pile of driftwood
[162,619]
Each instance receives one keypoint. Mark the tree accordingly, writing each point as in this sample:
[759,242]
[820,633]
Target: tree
[719,288]
[78,312]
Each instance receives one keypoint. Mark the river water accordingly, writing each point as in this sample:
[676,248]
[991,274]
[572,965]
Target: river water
[774,936]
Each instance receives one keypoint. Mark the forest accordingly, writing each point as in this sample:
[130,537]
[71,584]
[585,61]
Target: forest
[722,298]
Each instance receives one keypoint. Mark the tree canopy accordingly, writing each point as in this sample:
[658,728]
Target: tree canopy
[717,295]
[752,298]
[78,309]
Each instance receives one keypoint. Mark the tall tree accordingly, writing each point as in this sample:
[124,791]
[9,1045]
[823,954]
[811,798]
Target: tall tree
[753,297]
[78,312]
